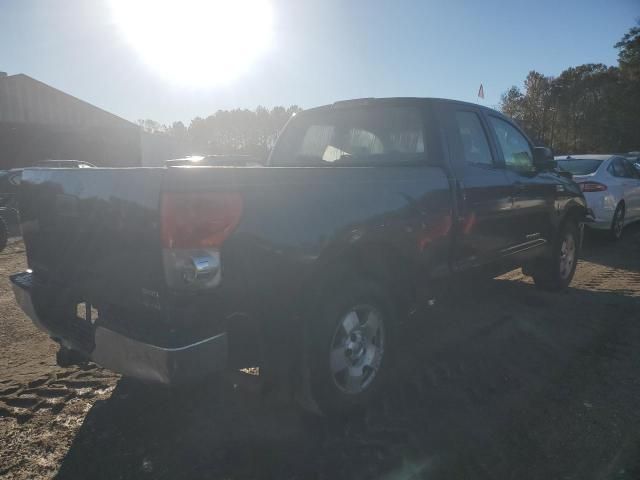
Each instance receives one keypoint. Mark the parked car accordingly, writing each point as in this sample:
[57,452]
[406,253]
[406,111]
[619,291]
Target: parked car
[307,266]
[9,183]
[230,160]
[611,185]
[64,164]
[9,225]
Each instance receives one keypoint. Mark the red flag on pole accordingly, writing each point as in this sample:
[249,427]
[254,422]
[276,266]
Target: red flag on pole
[481,91]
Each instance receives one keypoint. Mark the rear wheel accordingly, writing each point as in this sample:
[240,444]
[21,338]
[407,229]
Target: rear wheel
[556,272]
[350,345]
[617,224]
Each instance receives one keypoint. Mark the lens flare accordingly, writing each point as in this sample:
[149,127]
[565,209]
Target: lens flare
[197,42]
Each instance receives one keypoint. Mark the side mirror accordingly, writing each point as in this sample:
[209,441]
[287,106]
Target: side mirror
[543,158]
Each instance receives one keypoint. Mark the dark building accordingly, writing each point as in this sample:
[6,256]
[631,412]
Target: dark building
[39,122]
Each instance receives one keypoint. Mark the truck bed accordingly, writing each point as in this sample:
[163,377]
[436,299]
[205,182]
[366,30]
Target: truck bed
[98,230]
[93,239]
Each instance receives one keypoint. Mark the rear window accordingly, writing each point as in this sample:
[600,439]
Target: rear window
[579,166]
[364,136]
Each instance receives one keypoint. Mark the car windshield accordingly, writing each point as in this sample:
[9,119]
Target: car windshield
[580,166]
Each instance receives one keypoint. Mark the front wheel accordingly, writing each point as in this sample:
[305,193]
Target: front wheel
[350,345]
[556,272]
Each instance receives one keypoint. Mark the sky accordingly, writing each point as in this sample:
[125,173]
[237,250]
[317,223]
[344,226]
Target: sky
[319,52]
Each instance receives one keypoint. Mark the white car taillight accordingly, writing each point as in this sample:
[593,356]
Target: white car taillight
[194,227]
[592,186]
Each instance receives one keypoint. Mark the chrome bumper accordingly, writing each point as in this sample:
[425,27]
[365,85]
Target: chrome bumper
[129,357]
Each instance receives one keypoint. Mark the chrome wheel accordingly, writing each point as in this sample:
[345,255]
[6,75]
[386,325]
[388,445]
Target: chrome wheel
[567,255]
[357,349]
[618,222]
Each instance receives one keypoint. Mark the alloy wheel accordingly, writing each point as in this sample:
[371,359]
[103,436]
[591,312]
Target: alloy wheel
[567,255]
[357,349]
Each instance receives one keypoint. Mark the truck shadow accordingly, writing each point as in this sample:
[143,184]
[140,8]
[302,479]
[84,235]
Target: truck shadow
[485,387]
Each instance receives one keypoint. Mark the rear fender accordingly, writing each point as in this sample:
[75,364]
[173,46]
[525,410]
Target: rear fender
[379,262]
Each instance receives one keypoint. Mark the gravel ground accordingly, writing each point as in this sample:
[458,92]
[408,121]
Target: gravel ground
[505,382]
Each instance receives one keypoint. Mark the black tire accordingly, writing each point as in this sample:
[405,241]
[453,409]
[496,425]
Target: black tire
[556,272]
[617,224]
[4,234]
[367,347]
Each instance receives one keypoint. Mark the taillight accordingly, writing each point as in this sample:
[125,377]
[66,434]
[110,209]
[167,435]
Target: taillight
[191,220]
[194,227]
[592,187]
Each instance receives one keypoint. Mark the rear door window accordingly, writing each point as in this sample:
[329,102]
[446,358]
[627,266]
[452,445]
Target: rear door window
[361,136]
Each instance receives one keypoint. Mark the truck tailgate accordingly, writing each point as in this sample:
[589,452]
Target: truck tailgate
[95,233]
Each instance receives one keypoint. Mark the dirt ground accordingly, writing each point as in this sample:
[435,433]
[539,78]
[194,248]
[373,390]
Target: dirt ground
[506,382]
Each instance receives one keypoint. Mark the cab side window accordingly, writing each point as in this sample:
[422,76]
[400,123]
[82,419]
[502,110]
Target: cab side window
[475,145]
[515,147]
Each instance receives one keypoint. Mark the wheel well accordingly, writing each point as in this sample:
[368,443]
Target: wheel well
[379,263]
[575,213]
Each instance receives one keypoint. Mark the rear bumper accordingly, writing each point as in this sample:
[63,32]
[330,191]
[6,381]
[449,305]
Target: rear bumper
[602,206]
[129,357]
[600,220]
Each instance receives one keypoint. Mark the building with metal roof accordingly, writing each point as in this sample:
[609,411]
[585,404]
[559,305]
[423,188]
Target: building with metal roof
[39,122]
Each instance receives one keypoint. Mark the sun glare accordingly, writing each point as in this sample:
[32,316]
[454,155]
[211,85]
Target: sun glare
[197,42]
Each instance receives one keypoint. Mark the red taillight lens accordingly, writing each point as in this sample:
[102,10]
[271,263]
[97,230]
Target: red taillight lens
[199,220]
[592,187]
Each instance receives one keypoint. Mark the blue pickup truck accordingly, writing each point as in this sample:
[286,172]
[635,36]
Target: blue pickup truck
[308,264]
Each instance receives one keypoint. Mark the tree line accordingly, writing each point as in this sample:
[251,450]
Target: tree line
[588,108]
[238,131]
[591,108]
